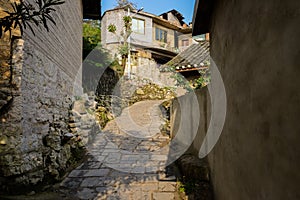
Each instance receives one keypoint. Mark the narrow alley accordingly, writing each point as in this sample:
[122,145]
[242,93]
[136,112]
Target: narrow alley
[127,160]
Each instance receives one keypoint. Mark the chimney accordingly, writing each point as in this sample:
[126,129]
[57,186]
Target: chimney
[207,36]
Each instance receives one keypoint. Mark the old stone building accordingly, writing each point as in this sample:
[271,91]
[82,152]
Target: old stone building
[148,30]
[39,77]
[154,39]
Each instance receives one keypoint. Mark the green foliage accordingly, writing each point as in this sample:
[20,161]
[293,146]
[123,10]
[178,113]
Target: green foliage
[123,50]
[182,82]
[91,36]
[92,32]
[112,28]
[98,57]
[125,32]
[188,187]
[25,14]
[127,23]
[169,68]
[117,67]
[202,81]
[127,19]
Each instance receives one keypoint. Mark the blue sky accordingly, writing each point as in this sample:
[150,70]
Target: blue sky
[185,7]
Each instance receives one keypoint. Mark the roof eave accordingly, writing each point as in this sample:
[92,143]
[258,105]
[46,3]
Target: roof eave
[91,9]
[202,16]
[167,24]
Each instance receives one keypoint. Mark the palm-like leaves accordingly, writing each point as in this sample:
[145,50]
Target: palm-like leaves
[25,14]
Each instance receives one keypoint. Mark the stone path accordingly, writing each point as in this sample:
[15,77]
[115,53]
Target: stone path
[127,160]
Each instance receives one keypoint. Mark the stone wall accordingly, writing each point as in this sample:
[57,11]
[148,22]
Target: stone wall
[182,108]
[107,83]
[116,17]
[170,44]
[46,71]
[148,69]
[184,37]
[173,19]
[255,45]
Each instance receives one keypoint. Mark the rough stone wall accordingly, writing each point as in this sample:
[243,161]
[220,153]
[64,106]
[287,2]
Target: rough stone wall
[116,17]
[107,83]
[149,69]
[173,19]
[63,43]
[35,128]
[83,123]
[170,38]
[182,37]
[255,44]
[146,38]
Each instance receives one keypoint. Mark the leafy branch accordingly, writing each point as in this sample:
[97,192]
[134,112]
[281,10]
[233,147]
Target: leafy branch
[25,14]
[124,34]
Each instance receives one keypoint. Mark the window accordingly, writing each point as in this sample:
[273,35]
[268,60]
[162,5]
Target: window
[185,42]
[161,35]
[138,26]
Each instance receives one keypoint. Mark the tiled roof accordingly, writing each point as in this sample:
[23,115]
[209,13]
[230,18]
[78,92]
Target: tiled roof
[195,57]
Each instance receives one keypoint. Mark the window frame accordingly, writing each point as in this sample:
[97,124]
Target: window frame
[137,31]
[159,33]
[185,42]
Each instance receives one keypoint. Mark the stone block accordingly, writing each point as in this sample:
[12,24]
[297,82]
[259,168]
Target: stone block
[79,107]
[53,141]
[149,186]
[86,193]
[96,173]
[90,182]
[167,186]
[72,125]
[71,182]
[163,196]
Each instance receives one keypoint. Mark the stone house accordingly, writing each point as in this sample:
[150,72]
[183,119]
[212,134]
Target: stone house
[39,77]
[255,46]
[155,39]
[164,32]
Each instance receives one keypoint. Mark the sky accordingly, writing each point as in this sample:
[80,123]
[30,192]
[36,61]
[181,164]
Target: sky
[157,7]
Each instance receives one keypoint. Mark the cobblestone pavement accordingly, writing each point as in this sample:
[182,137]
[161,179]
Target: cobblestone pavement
[127,160]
